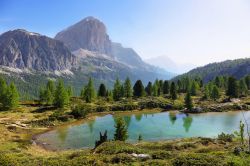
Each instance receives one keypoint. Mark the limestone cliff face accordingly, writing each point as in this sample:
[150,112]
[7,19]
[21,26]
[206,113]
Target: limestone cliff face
[89,34]
[23,49]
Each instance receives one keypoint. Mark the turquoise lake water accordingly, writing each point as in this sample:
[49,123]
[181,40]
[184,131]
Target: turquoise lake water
[152,127]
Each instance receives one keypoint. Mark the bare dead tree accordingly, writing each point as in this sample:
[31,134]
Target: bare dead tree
[248,132]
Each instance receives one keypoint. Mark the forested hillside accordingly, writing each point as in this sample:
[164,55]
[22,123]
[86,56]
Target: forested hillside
[237,68]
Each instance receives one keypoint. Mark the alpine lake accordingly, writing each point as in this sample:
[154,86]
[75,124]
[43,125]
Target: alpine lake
[153,126]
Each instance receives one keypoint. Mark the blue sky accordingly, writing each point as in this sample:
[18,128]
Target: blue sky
[187,31]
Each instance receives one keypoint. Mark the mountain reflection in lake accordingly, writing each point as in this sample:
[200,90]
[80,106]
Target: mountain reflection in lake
[152,127]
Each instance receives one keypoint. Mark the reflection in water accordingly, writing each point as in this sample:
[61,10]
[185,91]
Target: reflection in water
[172,117]
[138,117]
[187,122]
[157,127]
[62,133]
[127,120]
[91,125]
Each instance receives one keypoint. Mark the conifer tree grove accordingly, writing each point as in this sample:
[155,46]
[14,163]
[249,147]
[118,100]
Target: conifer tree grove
[138,89]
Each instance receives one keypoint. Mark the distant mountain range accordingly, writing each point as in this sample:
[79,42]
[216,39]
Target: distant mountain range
[169,65]
[83,50]
[237,68]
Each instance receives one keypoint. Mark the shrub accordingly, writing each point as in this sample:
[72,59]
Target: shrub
[161,155]
[197,160]
[225,137]
[80,111]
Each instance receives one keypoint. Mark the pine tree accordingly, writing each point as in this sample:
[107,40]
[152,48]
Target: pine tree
[149,89]
[160,88]
[89,91]
[11,97]
[117,90]
[128,92]
[188,101]
[173,91]
[247,80]
[49,92]
[155,89]
[102,90]
[215,94]
[61,98]
[166,87]
[243,88]
[194,88]
[138,89]
[121,131]
[110,96]
[3,89]
[42,95]
[206,93]
[70,91]
[232,87]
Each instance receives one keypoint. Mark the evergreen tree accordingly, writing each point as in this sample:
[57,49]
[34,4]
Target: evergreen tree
[247,80]
[160,88]
[61,97]
[232,87]
[206,93]
[110,96]
[117,90]
[51,86]
[49,92]
[149,89]
[166,87]
[215,94]
[179,84]
[121,131]
[194,88]
[42,95]
[70,91]
[102,92]
[12,97]
[89,91]
[128,92]
[188,101]
[138,89]
[155,89]
[243,88]
[173,91]
[217,81]
[49,97]
[3,89]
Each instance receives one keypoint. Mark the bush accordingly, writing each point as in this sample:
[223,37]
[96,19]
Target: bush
[7,160]
[225,137]
[80,111]
[197,160]
[102,108]
[161,155]
[124,107]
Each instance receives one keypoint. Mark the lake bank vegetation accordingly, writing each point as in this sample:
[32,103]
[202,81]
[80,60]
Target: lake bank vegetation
[57,105]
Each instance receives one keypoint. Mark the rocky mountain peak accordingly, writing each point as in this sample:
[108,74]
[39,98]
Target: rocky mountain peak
[90,34]
[23,49]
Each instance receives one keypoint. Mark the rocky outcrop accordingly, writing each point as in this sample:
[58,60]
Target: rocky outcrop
[89,34]
[22,49]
